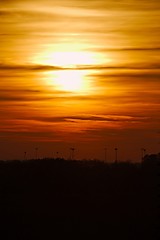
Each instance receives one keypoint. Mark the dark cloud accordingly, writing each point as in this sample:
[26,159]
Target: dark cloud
[22,91]
[133,49]
[145,66]
[20,95]
[29,95]
[17,98]
[29,67]
[94,118]
[128,77]
[30,15]
[9,98]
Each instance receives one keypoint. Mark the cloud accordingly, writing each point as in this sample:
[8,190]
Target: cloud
[132,49]
[28,67]
[31,15]
[92,118]
[31,95]
[17,98]
[22,91]
[131,76]
[142,66]
[36,67]
[22,95]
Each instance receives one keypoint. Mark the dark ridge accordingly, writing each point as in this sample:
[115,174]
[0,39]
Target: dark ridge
[45,197]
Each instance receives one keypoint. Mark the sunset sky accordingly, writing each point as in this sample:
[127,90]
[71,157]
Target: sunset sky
[82,74]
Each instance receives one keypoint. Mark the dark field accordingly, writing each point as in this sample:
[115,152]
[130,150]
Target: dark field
[54,197]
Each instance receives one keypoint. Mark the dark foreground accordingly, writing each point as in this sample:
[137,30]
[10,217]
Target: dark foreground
[45,199]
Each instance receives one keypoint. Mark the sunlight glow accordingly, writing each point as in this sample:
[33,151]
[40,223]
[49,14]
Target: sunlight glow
[69,59]
[69,80]
[71,77]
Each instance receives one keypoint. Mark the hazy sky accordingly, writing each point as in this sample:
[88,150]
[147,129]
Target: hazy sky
[79,73]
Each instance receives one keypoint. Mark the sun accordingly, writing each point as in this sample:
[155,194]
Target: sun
[70,80]
[70,73]
[69,77]
[68,59]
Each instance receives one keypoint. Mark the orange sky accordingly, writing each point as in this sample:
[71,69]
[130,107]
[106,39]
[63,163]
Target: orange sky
[79,73]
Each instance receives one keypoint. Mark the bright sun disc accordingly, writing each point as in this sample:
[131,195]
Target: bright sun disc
[67,59]
[69,80]
[69,77]
[72,58]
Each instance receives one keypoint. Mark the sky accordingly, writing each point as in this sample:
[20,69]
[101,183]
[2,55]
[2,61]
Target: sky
[81,74]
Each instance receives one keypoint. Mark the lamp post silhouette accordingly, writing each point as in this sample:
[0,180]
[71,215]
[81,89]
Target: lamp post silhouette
[25,153]
[143,152]
[72,153]
[105,154]
[36,152]
[116,155]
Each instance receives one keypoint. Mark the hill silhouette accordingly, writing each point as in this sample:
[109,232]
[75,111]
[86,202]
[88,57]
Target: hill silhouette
[45,197]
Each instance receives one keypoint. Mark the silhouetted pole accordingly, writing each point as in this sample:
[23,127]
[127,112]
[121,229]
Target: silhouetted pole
[57,154]
[105,154]
[25,153]
[72,153]
[116,155]
[36,152]
[143,152]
